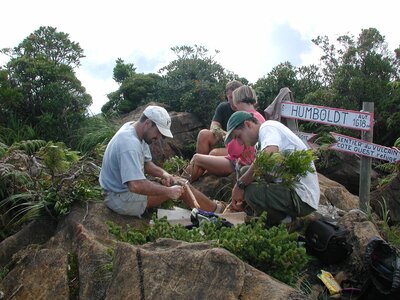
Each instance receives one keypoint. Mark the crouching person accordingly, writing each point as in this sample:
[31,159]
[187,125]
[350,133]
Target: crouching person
[276,199]
[126,161]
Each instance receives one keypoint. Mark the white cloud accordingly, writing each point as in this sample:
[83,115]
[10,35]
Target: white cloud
[142,32]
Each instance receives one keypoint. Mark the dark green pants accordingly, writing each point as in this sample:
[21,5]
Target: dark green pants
[277,200]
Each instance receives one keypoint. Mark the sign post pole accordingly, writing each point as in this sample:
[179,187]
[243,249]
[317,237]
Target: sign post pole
[365,166]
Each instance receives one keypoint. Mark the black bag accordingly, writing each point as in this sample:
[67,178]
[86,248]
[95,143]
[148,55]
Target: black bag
[383,261]
[327,241]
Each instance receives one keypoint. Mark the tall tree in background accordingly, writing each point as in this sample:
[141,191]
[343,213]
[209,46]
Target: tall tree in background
[362,70]
[41,69]
[135,89]
[300,81]
[194,82]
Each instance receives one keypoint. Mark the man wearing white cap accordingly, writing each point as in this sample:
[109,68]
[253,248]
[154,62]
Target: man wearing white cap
[126,160]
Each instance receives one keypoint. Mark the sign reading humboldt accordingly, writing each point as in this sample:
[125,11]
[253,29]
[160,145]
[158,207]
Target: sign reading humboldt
[356,146]
[326,115]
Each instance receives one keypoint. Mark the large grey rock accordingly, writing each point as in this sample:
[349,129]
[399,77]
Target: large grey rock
[107,269]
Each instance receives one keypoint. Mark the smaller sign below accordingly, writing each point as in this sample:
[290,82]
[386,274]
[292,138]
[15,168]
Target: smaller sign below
[357,146]
[306,138]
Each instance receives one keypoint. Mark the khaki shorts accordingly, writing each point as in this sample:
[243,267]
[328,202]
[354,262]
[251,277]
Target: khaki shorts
[126,203]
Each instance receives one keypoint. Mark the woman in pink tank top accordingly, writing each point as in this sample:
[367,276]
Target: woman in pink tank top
[244,98]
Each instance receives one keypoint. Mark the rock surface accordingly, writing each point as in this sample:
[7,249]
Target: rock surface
[166,269]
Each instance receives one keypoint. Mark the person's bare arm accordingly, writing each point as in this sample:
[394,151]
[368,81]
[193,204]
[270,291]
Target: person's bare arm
[148,188]
[246,179]
[216,128]
[154,170]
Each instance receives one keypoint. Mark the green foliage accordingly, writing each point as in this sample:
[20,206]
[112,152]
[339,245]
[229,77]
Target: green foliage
[300,81]
[3,272]
[15,130]
[47,94]
[73,275]
[289,166]
[392,234]
[122,70]
[175,165]
[46,182]
[137,89]
[28,146]
[3,149]
[57,157]
[95,131]
[273,251]
[360,70]
[194,82]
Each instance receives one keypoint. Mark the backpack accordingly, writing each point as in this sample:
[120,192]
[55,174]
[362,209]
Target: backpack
[327,241]
[199,216]
[383,261]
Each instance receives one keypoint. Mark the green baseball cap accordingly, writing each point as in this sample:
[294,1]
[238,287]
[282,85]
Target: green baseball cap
[234,121]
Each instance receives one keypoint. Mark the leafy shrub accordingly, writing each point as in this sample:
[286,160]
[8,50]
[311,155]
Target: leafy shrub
[48,182]
[273,251]
[175,165]
[290,166]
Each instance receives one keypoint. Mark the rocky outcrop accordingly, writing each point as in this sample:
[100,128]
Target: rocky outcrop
[345,169]
[335,194]
[84,259]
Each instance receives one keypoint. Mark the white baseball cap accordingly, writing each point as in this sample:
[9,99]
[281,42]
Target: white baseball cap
[160,117]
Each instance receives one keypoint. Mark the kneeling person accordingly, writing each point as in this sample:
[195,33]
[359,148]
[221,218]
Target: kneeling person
[278,200]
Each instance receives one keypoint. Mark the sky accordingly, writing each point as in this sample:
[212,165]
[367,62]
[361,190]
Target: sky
[252,36]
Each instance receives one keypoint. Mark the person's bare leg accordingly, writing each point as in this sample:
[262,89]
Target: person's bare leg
[154,201]
[205,141]
[219,152]
[204,202]
[217,165]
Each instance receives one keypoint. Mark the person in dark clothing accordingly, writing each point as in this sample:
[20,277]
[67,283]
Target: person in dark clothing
[207,139]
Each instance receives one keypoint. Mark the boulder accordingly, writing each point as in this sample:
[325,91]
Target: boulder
[345,169]
[336,194]
[104,268]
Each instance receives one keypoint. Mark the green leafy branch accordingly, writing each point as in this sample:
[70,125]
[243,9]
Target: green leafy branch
[288,166]
[273,251]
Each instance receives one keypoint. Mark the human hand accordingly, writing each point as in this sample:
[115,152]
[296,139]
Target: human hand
[167,179]
[237,198]
[175,191]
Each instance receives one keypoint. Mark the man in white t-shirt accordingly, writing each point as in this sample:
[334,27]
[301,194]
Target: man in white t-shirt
[126,161]
[278,200]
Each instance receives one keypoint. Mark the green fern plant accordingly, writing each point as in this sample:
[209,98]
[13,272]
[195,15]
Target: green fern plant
[57,157]
[96,130]
[28,146]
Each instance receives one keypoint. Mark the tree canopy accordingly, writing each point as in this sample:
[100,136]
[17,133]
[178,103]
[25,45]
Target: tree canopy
[45,91]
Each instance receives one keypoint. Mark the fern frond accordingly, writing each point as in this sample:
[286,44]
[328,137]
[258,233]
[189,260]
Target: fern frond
[29,146]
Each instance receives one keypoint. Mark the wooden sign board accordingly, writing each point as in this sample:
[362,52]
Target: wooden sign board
[326,115]
[306,138]
[360,147]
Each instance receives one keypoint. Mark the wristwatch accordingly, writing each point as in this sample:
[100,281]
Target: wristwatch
[241,185]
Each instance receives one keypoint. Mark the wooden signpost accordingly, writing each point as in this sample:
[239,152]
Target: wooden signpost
[361,147]
[358,120]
